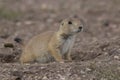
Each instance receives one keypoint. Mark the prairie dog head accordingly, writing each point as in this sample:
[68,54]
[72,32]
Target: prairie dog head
[71,26]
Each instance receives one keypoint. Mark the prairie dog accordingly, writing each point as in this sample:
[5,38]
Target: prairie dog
[53,46]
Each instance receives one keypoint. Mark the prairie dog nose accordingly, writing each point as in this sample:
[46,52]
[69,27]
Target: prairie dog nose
[80,27]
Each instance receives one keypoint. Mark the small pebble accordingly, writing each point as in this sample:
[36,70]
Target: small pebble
[106,53]
[28,22]
[45,77]
[44,6]
[82,72]
[106,23]
[116,57]
[18,23]
[88,69]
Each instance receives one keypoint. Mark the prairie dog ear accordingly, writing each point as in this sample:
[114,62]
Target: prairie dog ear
[65,22]
[62,23]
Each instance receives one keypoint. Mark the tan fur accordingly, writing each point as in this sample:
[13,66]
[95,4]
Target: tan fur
[50,46]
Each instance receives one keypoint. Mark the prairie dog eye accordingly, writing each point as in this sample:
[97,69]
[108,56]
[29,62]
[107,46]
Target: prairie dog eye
[69,22]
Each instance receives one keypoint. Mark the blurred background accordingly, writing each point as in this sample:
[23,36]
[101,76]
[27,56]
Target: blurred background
[100,40]
[27,18]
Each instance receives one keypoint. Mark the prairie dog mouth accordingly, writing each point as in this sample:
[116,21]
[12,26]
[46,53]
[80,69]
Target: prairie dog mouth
[79,30]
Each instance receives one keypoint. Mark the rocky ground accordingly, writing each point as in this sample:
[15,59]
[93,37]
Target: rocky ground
[96,53]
